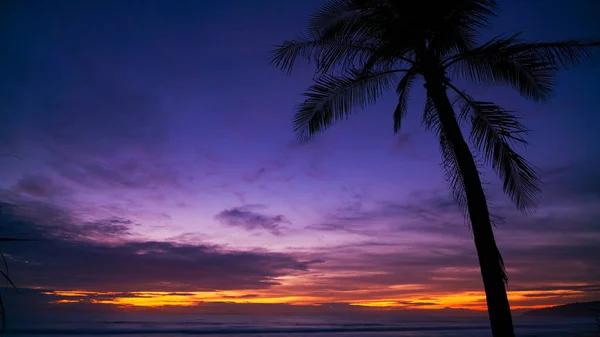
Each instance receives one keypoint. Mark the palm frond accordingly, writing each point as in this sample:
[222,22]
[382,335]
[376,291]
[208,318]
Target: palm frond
[332,98]
[343,17]
[3,239]
[493,129]
[451,168]
[2,316]
[449,164]
[357,18]
[7,278]
[403,91]
[562,54]
[430,118]
[495,63]
[452,174]
[332,12]
[5,262]
[458,28]
[530,68]
[2,310]
[325,53]
[348,20]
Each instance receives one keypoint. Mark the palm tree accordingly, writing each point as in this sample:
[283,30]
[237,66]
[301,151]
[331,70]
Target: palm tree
[361,48]
[4,274]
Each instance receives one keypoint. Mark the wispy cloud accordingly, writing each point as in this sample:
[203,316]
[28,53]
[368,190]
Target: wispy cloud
[38,186]
[250,218]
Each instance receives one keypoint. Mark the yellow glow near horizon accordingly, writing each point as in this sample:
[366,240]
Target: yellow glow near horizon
[67,301]
[382,304]
[71,293]
[465,300]
[159,299]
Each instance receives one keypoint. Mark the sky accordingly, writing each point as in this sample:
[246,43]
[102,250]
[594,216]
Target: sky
[147,146]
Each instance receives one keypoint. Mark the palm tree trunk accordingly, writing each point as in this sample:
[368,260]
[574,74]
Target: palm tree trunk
[489,256]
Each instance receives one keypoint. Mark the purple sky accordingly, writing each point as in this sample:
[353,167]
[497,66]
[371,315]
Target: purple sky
[152,133]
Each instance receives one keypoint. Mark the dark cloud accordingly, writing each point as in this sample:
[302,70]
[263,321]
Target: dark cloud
[83,256]
[111,172]
[46,220]
[567,262]
[418,242]
[249,218]
[38,186]
[417,304]
[548,268]
[241,296]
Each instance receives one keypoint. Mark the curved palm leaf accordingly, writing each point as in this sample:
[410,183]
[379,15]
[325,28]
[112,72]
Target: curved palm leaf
[350,20]
[450,166]
[493,129]
[330,13]
[491,64]
[458,30]
[357,19]
[332,98]
[430,118]
[530,68]
[403,91]
[563,54]
[6,276]
[452,173]
[326,53]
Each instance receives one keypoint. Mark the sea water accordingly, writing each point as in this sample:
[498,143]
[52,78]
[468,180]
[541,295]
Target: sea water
[292,326]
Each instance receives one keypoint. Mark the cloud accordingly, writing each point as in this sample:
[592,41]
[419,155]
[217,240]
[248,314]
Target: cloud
[425,241]
[83,256]
[249,218]
[129,172]
[38,186]
[416,268]
[424,212]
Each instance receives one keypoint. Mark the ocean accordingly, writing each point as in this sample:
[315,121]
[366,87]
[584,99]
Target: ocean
[290,326]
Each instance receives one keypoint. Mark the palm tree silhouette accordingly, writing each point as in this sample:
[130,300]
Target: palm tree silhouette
[360,49]
[4,274]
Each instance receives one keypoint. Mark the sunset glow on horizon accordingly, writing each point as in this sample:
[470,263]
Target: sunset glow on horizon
[464,300]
